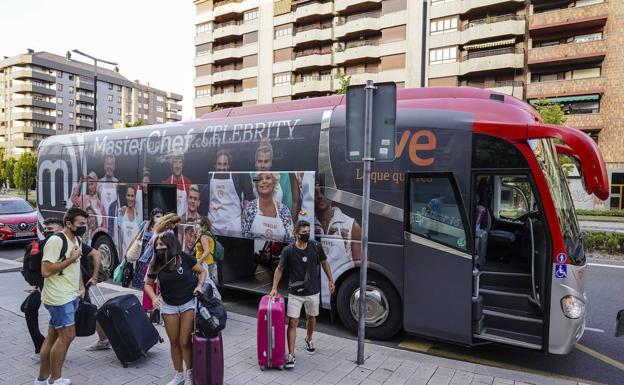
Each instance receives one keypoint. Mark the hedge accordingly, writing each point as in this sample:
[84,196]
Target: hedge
[600,240]
[601,213]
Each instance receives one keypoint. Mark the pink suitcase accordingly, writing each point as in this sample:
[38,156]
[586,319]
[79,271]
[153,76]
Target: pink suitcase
[208,360]
[272,332]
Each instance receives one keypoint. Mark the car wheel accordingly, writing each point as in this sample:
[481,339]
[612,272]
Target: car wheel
[383,307]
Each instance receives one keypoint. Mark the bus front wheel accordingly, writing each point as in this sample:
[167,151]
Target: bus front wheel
[108,253]
[383,306]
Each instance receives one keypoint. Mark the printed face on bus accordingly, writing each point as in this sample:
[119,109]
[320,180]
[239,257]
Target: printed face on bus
[222,163]
[131,197]
[177,164]
[109,166]
[193,200]
[265,183]
[92,220]
[91,187]
[264,161]
[321,202]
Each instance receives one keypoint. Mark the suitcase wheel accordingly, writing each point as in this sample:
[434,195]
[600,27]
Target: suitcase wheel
[281,367]
[161,340]
[262,367]
[124,364]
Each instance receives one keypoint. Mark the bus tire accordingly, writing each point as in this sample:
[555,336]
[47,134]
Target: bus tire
[388,319]
[108,253]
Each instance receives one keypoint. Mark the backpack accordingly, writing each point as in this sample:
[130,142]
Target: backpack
[219,252]
[33,255]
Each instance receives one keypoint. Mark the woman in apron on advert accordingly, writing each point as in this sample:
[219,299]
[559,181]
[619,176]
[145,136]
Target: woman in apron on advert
[129,220]
[182,183]
[91,199]
[225,207]
[265,217]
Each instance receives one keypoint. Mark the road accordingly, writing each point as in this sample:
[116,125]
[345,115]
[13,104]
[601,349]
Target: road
[602,226]
[598,358]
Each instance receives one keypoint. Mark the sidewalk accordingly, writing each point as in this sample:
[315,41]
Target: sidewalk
[332,364]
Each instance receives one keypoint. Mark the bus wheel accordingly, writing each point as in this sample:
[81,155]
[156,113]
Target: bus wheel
[383,306]
[108,253]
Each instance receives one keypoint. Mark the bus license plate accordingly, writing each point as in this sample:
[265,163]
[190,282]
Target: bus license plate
[23,234]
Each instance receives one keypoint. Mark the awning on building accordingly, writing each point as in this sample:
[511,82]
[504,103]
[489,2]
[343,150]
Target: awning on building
[568,99]
[490,44]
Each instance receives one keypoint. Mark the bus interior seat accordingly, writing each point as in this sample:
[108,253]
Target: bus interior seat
[482,227]
[498,241]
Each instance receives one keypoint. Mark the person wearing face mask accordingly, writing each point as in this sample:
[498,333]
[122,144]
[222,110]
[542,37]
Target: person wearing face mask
[62,288]
[175,271]
[303,260]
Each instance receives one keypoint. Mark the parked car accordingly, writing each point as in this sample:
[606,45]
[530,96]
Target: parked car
[18,221]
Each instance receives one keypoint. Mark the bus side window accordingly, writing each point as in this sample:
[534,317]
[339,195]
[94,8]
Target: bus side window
[435,211]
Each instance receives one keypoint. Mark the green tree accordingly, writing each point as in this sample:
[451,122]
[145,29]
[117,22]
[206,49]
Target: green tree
[551,113]
[138,123]
[25,165]
[3,176]
[7,171]
[215,107]
[345,82]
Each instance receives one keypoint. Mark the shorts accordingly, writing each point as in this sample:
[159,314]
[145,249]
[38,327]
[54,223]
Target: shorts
[64,315]
[310,302]
[177,310]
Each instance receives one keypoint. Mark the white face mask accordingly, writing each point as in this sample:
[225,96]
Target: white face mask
[157,219]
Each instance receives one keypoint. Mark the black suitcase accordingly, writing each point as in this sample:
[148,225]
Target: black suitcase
[128,328]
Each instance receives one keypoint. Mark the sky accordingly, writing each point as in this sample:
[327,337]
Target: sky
[151,40]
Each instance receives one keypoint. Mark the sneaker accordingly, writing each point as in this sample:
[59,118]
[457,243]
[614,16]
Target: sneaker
[310,346]
[188,377]
[178,379]
[98,345]
[60,381]
[36,357]
[290,361]
[41,382]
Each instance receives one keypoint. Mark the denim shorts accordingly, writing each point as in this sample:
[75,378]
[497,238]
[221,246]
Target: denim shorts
[177,310]
[64,315]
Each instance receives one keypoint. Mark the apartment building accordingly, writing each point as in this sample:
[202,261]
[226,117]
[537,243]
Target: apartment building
[43,94]
[252,51]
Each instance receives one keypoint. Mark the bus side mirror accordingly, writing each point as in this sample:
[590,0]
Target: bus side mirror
[619,324]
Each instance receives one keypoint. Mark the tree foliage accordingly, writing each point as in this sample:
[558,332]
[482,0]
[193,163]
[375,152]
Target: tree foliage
[345,82]
[138,123]
[25,170]
[215,107]
[551,113]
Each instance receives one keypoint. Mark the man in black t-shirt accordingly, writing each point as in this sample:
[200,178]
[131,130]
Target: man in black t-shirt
[302,259]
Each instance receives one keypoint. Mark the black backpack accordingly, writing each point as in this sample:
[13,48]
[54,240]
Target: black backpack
[31,265]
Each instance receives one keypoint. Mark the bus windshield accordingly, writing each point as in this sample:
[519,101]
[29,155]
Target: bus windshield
[544,150]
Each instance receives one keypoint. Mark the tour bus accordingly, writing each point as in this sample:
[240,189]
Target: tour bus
[473,233]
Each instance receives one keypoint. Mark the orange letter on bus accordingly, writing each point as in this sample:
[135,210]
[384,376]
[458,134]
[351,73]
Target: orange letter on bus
[414,146]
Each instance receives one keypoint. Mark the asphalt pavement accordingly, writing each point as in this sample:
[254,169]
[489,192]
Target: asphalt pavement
[598,358]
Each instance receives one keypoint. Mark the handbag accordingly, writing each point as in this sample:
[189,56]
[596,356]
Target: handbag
[128,273]
[134,251]
[119,272]
[85,319]
[32,302]
[155,316]
[210,317]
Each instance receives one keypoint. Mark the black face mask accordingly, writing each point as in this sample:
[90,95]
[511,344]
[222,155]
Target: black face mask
[304,237]
[80,231]
[46,234]
[160,254]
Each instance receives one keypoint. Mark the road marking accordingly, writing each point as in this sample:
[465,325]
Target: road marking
[605,265]
[599,356]
[594,330]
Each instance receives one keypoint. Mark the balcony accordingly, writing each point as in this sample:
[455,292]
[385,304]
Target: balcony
[312,85]
[358,23]
[361,49]
[84,111]
[362,76]
[312,9]
[173,116]
[32,130]
[508,87]
[234,74]
[202,101]
[27,73]
[234,51]
[585,121]
[346,5]
[315,59]
[316,34]
[566,87]
[204,37]
[589,16]
[493,59]
[463,6]
[234,97]
[174,106]
[85,98]
[568,53]
[22,102]
[27,115]
[85,123]
[234,28]
[493,27]
[230,7]
[85,85]
[27,142]
[31,88]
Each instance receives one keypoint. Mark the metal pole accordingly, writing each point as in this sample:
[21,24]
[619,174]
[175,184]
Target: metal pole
[368,160]
[95,115]
[423,52]
[26,183]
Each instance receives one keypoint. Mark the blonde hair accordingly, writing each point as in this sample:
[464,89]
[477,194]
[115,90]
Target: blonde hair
[167,222]
[275,176]
[265,146]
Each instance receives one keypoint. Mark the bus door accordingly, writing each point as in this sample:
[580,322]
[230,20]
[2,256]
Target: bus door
[437,259]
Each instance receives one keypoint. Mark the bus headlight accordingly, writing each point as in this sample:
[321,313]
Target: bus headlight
[572,307]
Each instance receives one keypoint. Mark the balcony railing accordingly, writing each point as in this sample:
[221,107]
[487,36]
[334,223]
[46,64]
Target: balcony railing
[225,46]
[492,19]
[311,27]
[490,52]
[494,84]
[216,70]
[359,71]
[227,24]
[357,43]
[313,52]
[219,3]
[310,79]
[358,16]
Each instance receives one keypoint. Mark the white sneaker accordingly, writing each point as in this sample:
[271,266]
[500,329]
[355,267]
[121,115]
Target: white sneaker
[61,381]
[177,379]
[188,377]
[41,382]
[36,357]
[98,345]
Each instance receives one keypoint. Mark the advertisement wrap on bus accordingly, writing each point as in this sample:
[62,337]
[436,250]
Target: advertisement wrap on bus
[467,226]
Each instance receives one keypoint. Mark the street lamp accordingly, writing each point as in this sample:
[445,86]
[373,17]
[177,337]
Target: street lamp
[95,63]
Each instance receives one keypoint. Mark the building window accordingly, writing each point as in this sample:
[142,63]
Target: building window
[59,87]
[119,88]
[581,73]
[110,86]
[119,100]
[70,115]
[146,106]
[110,97]
[203,49]
[160,98]
[281,79]
[283,30]
[446,25]
[110,121]
[160,109]
[71,89]
[325,75]
[159,119]
[71,127]
[59,74]
[71,102]
[204,91]
[70,77]
[110,109]
[250,15]
[203,28]
[443,55]
[119,111]
[59,113]
[59,126]
[59,100]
